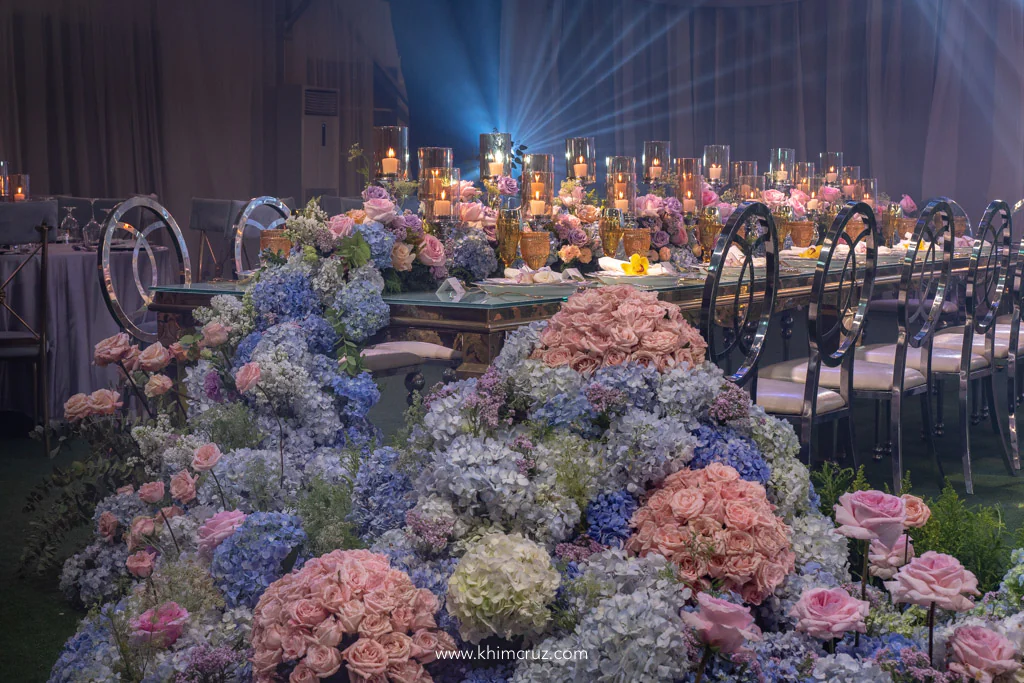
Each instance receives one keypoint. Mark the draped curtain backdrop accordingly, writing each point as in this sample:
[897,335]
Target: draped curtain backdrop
[925,95]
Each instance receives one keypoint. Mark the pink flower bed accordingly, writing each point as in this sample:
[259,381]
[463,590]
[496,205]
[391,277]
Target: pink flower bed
[614,325]
[715,526]
[347,608]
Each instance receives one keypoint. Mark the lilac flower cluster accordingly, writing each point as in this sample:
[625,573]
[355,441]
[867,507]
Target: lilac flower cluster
[382,494]
[212,386]
[207,663]
[361,310]
[605,399]
[732,404]
[578,551]
[487,402]
[380,240]
[608,518]
[904,660]
[724,445]
[434,532]
[283,295]
[250,559]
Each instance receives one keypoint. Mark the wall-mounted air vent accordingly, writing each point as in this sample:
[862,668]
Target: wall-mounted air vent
[320,102]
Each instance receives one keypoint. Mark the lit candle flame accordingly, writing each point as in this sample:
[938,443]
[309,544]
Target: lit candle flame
[656,162]
[580,161]
[622,195]
[536,195]
[442,195]
[536,177]
[689,194]
[497,157]
[620,177]
[391,153]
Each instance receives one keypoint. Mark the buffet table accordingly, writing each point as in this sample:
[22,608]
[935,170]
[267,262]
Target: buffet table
[476,324]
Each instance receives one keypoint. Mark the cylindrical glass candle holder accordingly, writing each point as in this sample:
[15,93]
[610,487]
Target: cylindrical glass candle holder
[19,187]
[691,183]
[439,194]
[803,171]
[656,159]
[781,166]
[621,183]
[391,152]
[741,169]
[716,165]
[538,191]
[850,180]
[868,191]
[434,158]
[831,166]
[5,181]
[495,155]
[751,188]
[544,163]
[581,160]
[814,185]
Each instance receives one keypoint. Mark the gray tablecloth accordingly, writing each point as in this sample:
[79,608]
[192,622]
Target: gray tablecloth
[78,319]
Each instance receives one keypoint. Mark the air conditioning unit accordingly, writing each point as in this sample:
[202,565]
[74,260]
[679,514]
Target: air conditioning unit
[308,142]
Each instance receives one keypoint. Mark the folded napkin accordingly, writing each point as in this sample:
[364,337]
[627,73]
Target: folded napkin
[543,276]
[735,258]
[614,266]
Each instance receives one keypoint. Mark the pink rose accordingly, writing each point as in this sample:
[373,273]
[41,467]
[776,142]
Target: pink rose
[425,645]
[557,356]
[773,198]
[828,613]
[130,360]
[155,358]
[107,525]
[572,197]
[402,257]
[768,577]
[431,251]
[366,657]
[466,190]
[830,194]
[306,613]
[623,337]
[302,674]
[918,512]
[584,364]
[214,334]
[247,378]
[152,492]
[717,472]
[158,385]
[908,205]
[885,561]
[982,654]
[397,645]
[293,644]
[217,528]
[141,564]
[868,515]
[205,457]
[649,205]
[407,671]
[351,614]
[660,342]
[769,539]
[934,577]
[183,486]
[740,516]
[172,511]
[381,210]
[686,504]
[77,408]
[325,661]
[708,197]
[799,195]
[721,624]
[725,210]
[104,402]
[471,213]
[125,489]
[329,632]
[160,626]
[111,350]
[341,226]
[799,210]
[143,526]
[374,625]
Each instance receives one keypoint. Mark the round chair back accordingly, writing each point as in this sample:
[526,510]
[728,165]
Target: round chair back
[146,208]
[245,219]
[739,292]
[990,272]
[924,280]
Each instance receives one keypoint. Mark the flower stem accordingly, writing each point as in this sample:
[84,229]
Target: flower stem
[131,382]
[864,574]
[705,658]
[280,434]
[216,481]
[931,633]
[173,538]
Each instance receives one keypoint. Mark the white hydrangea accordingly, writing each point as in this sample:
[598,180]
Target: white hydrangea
[687,393]
[445,420]
[815,539]
[642,448]
[232,313]
[843,668]
[539,382]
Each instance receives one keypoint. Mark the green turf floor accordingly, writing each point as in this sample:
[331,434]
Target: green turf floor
[36,620]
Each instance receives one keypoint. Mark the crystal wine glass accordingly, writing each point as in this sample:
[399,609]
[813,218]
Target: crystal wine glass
[92,232]
[68,227]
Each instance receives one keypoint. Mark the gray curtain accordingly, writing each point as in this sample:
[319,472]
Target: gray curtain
[925,96]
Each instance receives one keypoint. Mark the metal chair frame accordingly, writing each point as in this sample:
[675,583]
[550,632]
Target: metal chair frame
[244,220]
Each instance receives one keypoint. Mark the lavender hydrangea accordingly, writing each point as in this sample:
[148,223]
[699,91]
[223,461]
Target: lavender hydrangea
[637,382]
[283,295]
[473,254]
[251,559]
[382,494]
[96,574]
[207,664]
[361,310]
[380,242]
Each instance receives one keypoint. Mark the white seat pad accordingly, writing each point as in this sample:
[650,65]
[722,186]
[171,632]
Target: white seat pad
[867,376]
[943,359]
[953,338]
[787,398]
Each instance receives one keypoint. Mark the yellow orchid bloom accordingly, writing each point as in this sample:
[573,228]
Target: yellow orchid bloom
[811,252]
[638,265]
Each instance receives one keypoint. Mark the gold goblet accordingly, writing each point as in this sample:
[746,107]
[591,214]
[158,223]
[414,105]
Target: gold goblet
[709,226]
[535,247]
[611,231]
[636,241]
[509,230]
[891,221]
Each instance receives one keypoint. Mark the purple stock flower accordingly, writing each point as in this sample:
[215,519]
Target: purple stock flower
[672,205]
[211,386]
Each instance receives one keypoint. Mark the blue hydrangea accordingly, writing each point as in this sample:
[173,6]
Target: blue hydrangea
[283,295]
[90,654]
[724,445]
[566,410]
[608,518]
[361,310]
[320,335]
[249,560]
[475,255]
[124,506]
[243,354]
[96,574]
[638,382]
[359,393]
[382,494]
[381,242]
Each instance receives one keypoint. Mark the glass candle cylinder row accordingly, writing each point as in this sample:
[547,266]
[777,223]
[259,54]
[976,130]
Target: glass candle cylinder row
[691,183]
[850,180]
[803,171]
[495,155]
[538,191]
[751,188]
[716,165]
[581,160]
[741,169]
[656,159]
[434,158]
[781,166]
[814,185]
[868,191]
[440,193]
[831,165]
[391,152]
[620,183]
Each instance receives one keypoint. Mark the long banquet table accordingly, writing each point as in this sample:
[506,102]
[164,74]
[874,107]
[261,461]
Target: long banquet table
[476,325]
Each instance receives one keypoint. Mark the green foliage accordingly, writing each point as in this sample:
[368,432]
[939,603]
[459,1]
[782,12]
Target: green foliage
[832,481]
[262,483]
[230,426]
[325,509]
[358,156]
[582,591]
[353,251]
[67,498]
[185,582]
[574,476]
[419,279]
[975,535]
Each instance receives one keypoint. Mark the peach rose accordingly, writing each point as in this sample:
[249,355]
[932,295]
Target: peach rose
[303,674]
[721,624]
[131,359]
[982,654]
[740,515]
[584,364]
[77,408]
[217,528]
[885,561]
[934,577]
[769,575]
[143,526]
[107,525]
[828,613]
[183,486]
[557,356]
[351,614]
[431,251]
[471,213]
[306,613]
[402,257]
[687,504]
[918,512]
[214,334]
[324,661]
[588,213]
[111,350]
[155,358]
[152,492]
[179,352]
[357,215]
[104,402]
[158,385]
[868,515]
[205,457]
[769,539]
[365,657]
[141,564]
[248,377]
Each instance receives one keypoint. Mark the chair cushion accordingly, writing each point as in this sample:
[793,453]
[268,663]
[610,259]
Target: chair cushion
[866,376]
[889,306]
[953,338]
[379,361]
[943,359]
[787,398]
[421,349]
